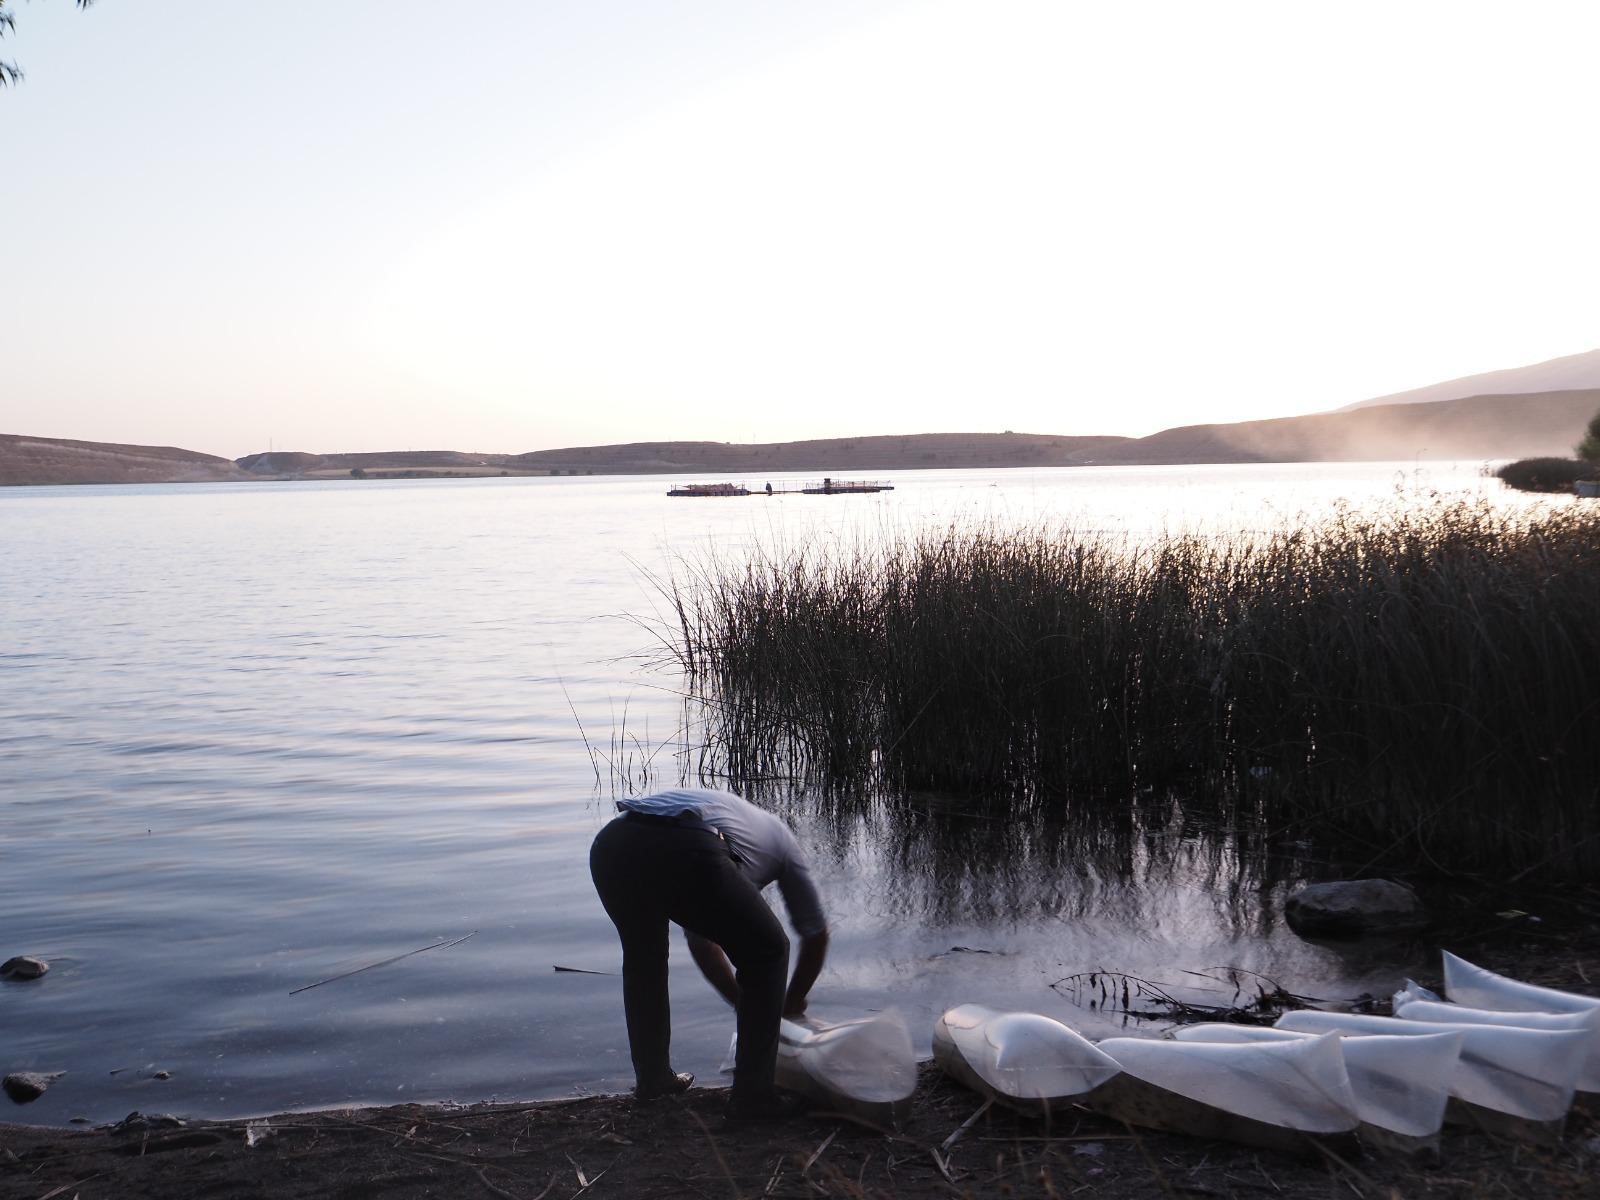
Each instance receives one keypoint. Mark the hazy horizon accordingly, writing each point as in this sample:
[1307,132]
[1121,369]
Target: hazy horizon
[523,226]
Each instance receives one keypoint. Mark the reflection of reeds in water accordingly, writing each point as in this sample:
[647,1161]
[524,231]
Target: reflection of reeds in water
[943,860]
[1415,683]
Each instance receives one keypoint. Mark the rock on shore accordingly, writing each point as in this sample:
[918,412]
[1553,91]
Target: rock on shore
[1354,908]
[26,1086]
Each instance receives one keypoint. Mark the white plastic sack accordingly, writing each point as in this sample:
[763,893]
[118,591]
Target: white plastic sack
[1401,1084]
[1474,986]
[870,1059]
[1588,1022]
[867,1067]
[1527,1073]
[1018,1055]
[1299,1084]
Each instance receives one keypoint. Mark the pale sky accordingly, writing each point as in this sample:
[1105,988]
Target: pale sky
[510,225]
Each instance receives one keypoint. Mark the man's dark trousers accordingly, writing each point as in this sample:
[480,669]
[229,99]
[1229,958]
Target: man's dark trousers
[653,870]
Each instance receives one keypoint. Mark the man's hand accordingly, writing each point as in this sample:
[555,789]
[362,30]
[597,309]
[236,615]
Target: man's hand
[807,966]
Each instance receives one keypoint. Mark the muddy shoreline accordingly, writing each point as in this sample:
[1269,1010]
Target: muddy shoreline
[608,1146]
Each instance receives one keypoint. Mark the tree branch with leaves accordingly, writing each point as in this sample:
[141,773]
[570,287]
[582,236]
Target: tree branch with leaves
[9,71]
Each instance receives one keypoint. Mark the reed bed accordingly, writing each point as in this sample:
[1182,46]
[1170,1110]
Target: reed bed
[1417,683]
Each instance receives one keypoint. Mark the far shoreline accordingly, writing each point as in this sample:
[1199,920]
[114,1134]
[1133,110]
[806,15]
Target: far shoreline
[1481,428]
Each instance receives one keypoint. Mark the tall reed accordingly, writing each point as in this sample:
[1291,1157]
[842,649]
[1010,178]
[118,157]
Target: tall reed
[1419,683]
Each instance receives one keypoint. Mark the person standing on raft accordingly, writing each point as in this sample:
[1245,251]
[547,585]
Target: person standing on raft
[699,858]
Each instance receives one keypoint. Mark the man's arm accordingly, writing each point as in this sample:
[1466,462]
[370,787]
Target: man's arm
[807,966]
[714,965]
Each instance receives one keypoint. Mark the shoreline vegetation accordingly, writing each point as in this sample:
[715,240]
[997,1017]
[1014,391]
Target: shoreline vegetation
[1483,427]
[1411,687]
[1580,474]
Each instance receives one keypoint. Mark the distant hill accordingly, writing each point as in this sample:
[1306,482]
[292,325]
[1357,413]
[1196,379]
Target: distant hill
[1572,372]
[882,453]
[379,464]
[1474,427]
[39,460]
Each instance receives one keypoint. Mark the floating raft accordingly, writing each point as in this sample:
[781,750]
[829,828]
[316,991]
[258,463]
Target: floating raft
[846,487]
[710,489]
[828,487]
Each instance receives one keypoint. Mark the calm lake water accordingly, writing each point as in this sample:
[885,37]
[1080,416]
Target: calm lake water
[255,736]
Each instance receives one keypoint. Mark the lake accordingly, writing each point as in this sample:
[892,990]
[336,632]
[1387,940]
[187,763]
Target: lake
[257,736]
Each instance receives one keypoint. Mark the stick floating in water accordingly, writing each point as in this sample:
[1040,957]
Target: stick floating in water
[580,971]
[384,963]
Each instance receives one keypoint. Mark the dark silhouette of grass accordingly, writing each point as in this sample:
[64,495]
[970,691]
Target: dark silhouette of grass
[1412,685]
[1545,474]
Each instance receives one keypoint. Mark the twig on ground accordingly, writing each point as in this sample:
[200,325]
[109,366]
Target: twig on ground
[1267,1177]
[817,1153]
[498,1191]
[716,1152]
[1077,1137]
[887,1134]
[944,1146]
[772,1182]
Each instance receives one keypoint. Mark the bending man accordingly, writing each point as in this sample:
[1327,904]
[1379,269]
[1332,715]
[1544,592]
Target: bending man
[700,858]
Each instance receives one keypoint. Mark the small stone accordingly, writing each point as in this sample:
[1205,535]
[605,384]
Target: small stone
[23,966]
[26,1086]
[136,1121]
[1354,907]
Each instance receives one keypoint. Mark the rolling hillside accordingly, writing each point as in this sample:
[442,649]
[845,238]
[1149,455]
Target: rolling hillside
[842,455]
[1487,427]
[40,460]
[1571,372]
[1482,427]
